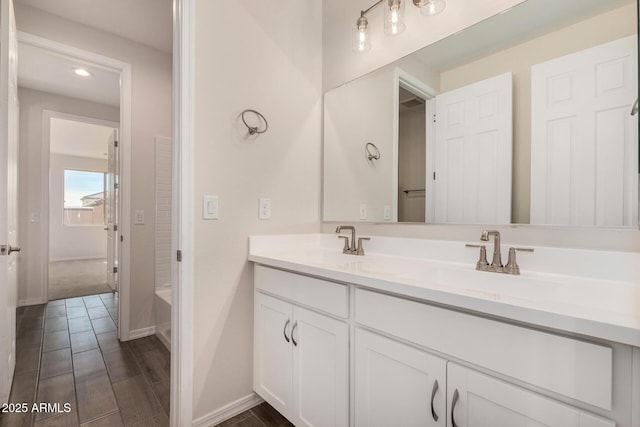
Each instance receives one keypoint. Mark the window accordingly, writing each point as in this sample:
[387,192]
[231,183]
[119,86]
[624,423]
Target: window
[84,194]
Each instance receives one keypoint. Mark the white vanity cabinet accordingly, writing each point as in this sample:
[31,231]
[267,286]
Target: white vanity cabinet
[300,355]
[333,354]
[478,400]
[397,385]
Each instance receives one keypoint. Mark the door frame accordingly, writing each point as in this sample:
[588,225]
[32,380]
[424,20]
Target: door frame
[419,88]
[124,70]
[182,231]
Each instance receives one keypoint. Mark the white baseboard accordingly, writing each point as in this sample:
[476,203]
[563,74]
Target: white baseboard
[228,411]
[31,301]
[142,332]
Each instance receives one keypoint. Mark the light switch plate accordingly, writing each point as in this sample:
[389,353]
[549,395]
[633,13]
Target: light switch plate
[363,211]
[210,207]
[139,217]
[264,208]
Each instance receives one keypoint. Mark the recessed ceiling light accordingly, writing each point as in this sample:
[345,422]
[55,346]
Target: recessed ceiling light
[81,72]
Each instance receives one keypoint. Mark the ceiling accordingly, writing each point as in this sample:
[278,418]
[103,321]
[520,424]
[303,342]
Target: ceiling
[148,22]
[145,21]
[80,139]
[514,26]
[49,72]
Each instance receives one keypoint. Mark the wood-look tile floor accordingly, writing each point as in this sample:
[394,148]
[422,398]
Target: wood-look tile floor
[262,415]
[68,352]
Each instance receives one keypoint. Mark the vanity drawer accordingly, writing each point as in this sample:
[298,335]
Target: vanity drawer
[576,369]
[322,295]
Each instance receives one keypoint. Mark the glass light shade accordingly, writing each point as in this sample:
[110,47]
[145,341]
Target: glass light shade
[361,40]
[394,17]
[432,7]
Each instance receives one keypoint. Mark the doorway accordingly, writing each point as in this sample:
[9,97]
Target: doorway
[81,167]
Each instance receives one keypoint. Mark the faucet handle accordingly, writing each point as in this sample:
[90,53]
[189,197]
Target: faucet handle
[360,250]
[512,266]
[482,263]
[345,249]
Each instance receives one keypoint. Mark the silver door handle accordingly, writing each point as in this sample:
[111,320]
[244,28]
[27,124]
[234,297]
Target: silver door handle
[634,109]
[285,330]
[295,325]
[456,396]
[433,395]
[7,249]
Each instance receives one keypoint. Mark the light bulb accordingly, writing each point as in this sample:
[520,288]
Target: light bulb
[361,36]
[432,7]
[394,17]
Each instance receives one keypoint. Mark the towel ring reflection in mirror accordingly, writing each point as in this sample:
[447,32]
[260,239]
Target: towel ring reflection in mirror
[372,151]
[255,129]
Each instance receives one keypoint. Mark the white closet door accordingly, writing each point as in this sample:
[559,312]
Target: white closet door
[583,139]
[473,153]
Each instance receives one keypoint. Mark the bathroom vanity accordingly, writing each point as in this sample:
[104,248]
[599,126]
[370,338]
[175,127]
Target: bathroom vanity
[411,334]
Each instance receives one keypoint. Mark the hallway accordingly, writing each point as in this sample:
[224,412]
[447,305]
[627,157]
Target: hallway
[68,352]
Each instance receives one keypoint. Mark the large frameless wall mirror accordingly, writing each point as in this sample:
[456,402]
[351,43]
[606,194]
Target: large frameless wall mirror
[523,118]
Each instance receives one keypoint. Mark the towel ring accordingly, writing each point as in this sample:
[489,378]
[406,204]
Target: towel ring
[372,151]
[254,129]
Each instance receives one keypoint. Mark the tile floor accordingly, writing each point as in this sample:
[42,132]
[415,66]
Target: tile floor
[262,415]
[68,352]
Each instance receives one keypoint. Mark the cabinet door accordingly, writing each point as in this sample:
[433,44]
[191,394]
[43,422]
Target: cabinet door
[397,385]
[273,355]
[320,370]
[478,400]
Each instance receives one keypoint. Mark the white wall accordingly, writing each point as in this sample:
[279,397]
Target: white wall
[79,241]
[265,56]
[151,116]
[32,105]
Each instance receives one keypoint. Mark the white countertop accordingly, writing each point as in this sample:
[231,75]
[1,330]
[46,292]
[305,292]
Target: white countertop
[592,293]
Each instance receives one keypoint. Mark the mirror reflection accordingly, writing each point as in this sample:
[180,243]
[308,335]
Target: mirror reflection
[523,118]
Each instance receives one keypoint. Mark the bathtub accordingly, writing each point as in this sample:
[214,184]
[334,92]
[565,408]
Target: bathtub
[163,315]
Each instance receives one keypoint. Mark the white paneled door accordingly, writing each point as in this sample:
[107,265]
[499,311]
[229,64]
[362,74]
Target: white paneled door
[584,141]
[473,153]
[112,212]
[8,195]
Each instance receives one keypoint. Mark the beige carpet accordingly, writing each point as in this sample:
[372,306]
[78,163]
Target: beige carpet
[69,279]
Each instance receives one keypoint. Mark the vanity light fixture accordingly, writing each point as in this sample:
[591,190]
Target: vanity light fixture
[393,20]
[81,72]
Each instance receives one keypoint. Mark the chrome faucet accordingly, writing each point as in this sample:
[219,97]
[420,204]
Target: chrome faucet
[496,264]
[350,247]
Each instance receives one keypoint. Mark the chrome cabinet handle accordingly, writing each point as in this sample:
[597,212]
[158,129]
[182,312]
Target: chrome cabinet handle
[285,330]
[295,325]
[433,395]
[456,396]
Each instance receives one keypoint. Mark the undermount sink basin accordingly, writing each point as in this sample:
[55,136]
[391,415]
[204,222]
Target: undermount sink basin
[490,285]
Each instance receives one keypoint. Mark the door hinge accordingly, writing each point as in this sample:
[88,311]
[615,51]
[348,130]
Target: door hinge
[179,255]
[121,238]
[434,176]
[115,144]
[115,228]
[115,185]
[115,270]
[434,118]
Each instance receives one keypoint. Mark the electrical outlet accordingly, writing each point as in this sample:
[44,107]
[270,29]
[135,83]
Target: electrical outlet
[363,212]
[264,208]
[387,213]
